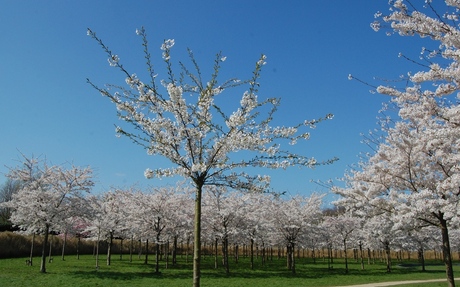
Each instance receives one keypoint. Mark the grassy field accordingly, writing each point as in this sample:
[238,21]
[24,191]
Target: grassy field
[82,272]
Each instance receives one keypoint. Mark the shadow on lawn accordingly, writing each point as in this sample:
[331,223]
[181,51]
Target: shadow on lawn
[315,273]
[274,270]
[125,276]
[129,273]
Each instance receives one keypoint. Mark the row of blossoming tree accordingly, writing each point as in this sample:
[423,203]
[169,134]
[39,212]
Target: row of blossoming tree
[163,217]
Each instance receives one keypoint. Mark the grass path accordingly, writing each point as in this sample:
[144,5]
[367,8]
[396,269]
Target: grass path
[398,283]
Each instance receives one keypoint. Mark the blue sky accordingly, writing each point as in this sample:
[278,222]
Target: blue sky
[47,109]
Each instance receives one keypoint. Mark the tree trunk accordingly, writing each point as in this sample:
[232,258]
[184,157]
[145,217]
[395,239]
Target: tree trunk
[121,249]
[78,246]
[264,258]
[225,254]
[388,256]
[293,258]
[157,256]
[252,253]
[421,256]
[329,256]
[167,254]
[288,257]
[197,233]
[32,250]
[63,246]
[174,251]
[97,252]
[332,254]
[187,249]
[216,264]
[140,249]
[131,243]
[236,253]
[369,256]
[45,242]
[446,252]
[109,248]
[346,256]
[146,261]
[313,255]
[50,259]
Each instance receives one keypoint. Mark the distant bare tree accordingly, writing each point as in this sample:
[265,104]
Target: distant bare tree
[6,194]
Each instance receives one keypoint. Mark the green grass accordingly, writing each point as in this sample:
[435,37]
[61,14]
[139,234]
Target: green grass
[82,272]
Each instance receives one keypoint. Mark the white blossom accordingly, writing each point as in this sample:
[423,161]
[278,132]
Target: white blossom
[113,60]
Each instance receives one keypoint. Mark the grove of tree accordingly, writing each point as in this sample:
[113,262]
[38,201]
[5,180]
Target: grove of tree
[402,195]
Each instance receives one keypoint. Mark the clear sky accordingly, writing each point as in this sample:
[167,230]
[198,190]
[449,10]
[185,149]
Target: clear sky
[47,109]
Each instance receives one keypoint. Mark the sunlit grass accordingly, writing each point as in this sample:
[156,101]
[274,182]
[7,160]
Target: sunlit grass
[82,272]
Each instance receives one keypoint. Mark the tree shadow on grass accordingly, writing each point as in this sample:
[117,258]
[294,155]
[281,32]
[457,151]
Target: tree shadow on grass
[127,276]
[131,271]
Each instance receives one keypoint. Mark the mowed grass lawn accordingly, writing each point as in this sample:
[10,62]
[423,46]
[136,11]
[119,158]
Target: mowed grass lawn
[82,272]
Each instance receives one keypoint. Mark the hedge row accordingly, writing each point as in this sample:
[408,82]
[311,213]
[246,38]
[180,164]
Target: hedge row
[17,245]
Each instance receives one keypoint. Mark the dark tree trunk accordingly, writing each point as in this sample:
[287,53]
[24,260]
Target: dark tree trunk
[361,252]
[187,249]
[32,250]
[293,258]
[131,243]
[197,232]
[225,254]
[45,243]
[313,255]
[216,260]
[252,253]
[264,255]
[63,246]
[96,249]
[369,256]
[109,248]
[158,228]
[121,249]
[174,251]
[388,256]
[78,246]
[146,260]
[236,253]
[446,251]
[329,256]
[157,256]
[140,249]
[421,256]
[50,259]
[346,256]
[167,254]
[288,257]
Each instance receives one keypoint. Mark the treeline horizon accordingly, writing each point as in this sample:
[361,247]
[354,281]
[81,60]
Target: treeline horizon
[15,245]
